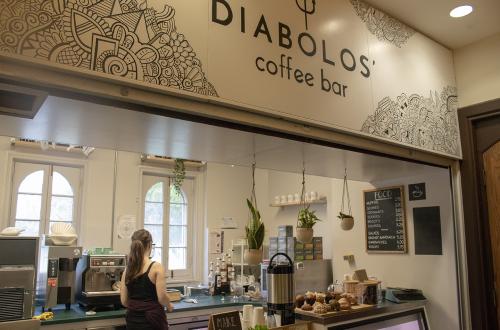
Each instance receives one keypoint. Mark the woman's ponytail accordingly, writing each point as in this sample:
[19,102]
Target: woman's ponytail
[141,241]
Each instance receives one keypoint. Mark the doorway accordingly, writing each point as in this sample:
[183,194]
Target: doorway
[480,132]
[491,161]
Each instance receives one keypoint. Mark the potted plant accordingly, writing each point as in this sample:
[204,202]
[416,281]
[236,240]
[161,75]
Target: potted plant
[254,232]
[346,221]
[179,174]
[305,222]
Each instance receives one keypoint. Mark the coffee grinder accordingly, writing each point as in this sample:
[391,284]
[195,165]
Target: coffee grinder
[281,290]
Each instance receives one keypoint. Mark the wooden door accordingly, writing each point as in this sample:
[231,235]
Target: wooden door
[491,160]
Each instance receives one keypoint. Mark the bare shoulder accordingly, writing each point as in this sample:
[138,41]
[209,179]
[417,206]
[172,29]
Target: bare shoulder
[157,267]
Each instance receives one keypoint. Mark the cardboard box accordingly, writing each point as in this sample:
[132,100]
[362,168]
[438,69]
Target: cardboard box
[285,231]
[308,257]
[273,243]
[317,240]
[318,257]
[299,257]
[308,248]
[299,246]
[272,252]
[282,245]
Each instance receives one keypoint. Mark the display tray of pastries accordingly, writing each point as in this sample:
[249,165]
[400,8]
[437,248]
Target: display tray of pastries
[319,304]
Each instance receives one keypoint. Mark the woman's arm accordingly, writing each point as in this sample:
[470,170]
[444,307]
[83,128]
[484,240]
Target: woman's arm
[161,287]
[123,291]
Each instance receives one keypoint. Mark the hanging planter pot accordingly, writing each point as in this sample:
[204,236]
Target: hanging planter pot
[253,256]
[304,235]
[306,218]
[254,230]
[346,219]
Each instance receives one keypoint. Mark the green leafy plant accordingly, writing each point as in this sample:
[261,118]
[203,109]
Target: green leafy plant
[179,174]
[259,327]
[255,228]
[343,216]
[307,218]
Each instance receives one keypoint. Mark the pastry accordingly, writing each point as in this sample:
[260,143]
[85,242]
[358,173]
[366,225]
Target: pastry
[307,307]
[344,304]
[310,298]
[335,305]
[328,297]
[299,300]
[320,297]
[320,308]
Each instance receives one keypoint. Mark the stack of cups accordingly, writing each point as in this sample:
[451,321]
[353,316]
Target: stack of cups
[258,316]
[246,322]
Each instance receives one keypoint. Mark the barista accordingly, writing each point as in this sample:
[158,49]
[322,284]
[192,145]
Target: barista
[143,287]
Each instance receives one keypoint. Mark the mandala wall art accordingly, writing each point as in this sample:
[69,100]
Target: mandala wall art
[427,122]
[124,38]
[381,25]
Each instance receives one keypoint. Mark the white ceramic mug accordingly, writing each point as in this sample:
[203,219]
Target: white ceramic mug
[283,199]
[290,198]
[277,199]
[314,195]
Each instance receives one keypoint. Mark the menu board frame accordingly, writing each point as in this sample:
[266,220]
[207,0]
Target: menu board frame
[403,214]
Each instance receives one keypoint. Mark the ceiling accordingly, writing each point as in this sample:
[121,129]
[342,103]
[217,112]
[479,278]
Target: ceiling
[81,123]
[431,17]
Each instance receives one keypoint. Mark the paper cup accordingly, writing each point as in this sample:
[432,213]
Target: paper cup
[258,316]
[248,313]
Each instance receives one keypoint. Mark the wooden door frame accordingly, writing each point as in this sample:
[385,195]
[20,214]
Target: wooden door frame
[477,239]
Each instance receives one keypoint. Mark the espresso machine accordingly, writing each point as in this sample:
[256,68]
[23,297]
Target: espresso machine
[57,277]
[281,289]
[99,275]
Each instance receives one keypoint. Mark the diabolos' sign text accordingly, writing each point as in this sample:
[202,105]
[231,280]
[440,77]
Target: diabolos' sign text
[282,35]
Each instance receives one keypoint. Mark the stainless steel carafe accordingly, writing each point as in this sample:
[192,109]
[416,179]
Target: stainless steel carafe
[281,289]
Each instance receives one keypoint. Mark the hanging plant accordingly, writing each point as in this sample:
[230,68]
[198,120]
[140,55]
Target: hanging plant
[306,218]
[345,216]
[179,174]
[254,230]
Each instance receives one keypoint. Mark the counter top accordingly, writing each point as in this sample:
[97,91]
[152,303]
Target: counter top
[386,307]
[77,314]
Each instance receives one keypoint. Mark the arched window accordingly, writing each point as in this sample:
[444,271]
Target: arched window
[178,228]
[29,203]
[153,217]
[171,237]
[43,195]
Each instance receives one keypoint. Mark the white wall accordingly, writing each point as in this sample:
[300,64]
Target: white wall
[477,70]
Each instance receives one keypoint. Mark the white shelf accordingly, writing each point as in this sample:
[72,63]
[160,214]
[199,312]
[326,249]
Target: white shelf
[322,200]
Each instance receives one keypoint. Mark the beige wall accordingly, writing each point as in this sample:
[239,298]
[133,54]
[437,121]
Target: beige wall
[477,69]
[435,275]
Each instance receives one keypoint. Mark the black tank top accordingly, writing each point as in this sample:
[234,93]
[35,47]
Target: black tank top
[141,287]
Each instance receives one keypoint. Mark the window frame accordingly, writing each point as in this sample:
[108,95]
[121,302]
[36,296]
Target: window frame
[195,226]
[55,161]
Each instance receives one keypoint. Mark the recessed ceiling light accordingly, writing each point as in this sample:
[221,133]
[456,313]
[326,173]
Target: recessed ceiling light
[461,11]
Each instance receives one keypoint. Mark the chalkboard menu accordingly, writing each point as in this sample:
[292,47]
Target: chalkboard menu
[385,220]
[225,321]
